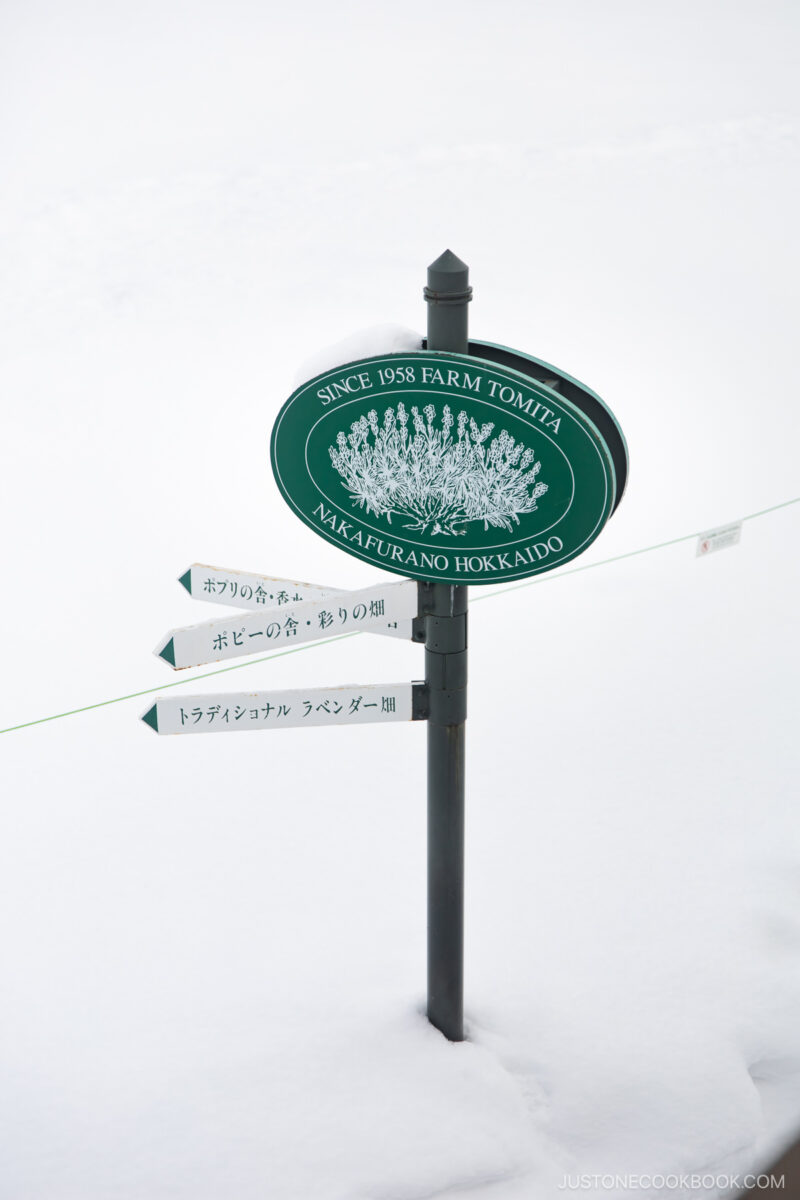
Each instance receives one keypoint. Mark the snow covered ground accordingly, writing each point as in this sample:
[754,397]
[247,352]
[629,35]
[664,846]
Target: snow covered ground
[213,949]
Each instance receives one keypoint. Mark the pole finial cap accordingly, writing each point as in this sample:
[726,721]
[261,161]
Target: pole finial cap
[448,281]
[448,274]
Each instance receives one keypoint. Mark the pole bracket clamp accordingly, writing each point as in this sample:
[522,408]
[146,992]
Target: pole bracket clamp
[420,701]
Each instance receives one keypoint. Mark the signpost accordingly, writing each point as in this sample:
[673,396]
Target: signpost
[444,466]
[462,463]
[447,295]
[232,712]
[339,612]
[237,589]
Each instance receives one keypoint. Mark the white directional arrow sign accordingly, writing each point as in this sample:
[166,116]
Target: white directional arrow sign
[239,589]
[250,633]
[243,590]
[231,712]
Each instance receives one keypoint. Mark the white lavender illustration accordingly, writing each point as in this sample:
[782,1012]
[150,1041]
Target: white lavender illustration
[438,479]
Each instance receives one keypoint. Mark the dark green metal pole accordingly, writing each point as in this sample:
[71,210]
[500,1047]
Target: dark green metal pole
[447,294]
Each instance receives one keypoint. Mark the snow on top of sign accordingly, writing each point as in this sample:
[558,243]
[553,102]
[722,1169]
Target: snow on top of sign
[366,343]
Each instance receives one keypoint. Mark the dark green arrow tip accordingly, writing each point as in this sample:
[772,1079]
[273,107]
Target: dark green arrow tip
[151,717]
[168,653]
[186,580]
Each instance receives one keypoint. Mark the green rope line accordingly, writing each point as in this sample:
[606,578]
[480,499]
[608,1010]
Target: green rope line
[687,537]
[181,682]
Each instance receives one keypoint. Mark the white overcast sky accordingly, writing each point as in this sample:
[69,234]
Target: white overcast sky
[195,198]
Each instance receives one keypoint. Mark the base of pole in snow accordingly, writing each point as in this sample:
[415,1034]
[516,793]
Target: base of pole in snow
[447,295]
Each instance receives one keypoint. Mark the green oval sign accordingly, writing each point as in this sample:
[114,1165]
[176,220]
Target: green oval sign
[443,467]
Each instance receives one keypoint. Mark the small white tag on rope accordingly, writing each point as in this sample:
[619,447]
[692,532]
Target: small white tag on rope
[719,539]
